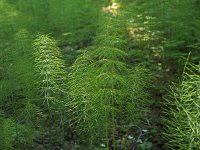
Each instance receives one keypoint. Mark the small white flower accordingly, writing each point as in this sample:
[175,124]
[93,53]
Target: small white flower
[130,137]
[144,130]
[102,145]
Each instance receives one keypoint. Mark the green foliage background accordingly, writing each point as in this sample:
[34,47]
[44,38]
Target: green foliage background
[94,74]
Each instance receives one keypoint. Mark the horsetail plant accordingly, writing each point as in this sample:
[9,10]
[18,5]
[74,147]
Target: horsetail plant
[82,107]
[23,79]
[183,111]
[108,86]
[50,71]
[51,80]
[18,73]
[20,76]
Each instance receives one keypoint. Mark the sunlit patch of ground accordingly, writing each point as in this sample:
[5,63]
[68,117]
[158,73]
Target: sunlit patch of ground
[113,8]
[140,29]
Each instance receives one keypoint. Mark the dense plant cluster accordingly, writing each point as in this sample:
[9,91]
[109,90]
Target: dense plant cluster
[50,71]
[90,74]
[106,91]
[182,129]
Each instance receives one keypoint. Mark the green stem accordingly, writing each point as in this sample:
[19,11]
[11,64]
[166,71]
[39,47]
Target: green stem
[113,115]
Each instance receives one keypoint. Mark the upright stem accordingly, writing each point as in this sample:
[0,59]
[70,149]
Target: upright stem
[107,132]
[113,116]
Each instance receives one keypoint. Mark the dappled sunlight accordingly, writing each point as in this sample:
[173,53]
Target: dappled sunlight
[113,8]
[96,74]
[6,10]
[139,29]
